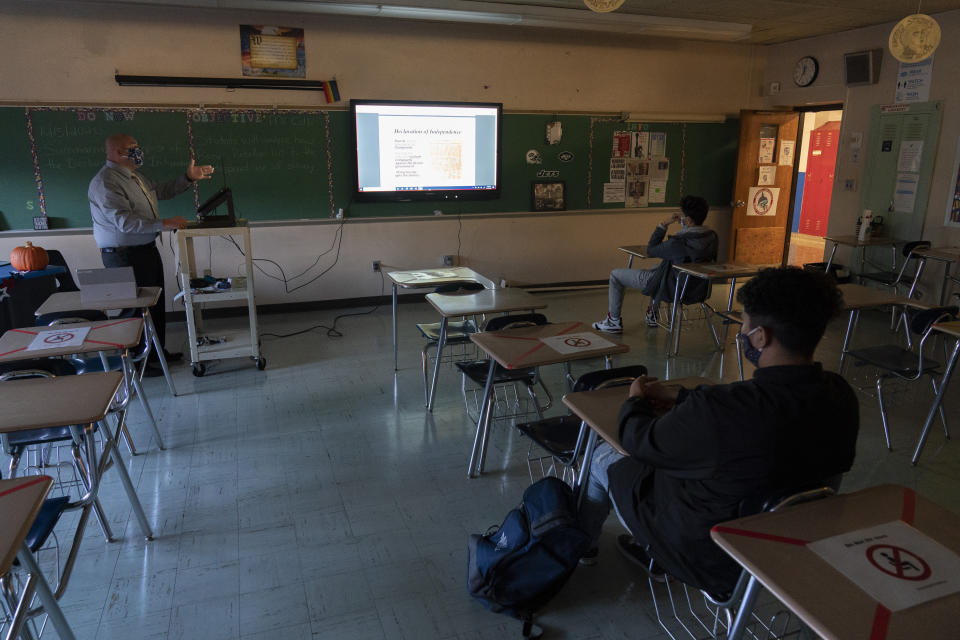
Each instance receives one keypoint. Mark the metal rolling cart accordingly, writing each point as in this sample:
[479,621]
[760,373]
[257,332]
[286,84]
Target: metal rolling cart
[234,343]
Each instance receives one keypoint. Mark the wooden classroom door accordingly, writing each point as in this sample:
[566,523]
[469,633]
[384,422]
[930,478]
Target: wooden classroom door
[761,198]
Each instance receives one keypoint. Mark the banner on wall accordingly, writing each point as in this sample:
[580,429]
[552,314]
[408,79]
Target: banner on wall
[272,51]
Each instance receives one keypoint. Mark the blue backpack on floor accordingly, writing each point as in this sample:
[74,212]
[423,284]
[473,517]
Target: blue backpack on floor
[517,567]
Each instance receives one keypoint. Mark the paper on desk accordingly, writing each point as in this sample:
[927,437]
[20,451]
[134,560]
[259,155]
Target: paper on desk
[576,342]
[894,563]
[59,338]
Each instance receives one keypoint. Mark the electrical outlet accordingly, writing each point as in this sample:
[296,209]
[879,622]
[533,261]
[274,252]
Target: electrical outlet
[447,260]
[376,266]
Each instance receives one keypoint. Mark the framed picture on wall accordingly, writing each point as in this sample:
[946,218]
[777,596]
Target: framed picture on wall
[548,195]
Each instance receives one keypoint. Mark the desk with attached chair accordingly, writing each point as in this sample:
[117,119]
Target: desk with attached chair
[529,347]
[146,298]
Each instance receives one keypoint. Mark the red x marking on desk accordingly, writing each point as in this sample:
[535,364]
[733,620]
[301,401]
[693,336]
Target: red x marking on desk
[523,355]
[88,339]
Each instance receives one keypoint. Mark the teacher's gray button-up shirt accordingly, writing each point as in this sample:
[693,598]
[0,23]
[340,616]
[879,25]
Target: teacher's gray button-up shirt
[123,215]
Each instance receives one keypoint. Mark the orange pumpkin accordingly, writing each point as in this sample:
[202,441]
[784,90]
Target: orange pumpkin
[29,258]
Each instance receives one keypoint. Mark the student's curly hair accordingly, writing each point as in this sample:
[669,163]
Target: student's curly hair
[795,305]
[695,207]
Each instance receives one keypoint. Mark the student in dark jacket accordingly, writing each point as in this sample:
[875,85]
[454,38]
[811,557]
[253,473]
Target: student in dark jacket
[696,455]
[693,243]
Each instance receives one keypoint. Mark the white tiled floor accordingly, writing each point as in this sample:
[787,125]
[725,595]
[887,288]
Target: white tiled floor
[317,499]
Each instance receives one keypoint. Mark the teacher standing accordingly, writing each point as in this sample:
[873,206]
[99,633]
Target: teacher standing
[126,220]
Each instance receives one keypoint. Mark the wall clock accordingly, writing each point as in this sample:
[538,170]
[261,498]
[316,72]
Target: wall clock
[805,71]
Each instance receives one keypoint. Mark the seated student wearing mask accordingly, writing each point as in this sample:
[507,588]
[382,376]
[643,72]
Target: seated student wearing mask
[696,454]
[693,243]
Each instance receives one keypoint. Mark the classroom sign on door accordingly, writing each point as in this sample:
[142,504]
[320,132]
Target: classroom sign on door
[894,563]
[762,201]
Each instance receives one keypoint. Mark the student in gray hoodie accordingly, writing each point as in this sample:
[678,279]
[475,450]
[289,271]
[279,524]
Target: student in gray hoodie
[693,243]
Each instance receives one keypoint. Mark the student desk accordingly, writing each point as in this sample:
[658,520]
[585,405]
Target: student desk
[773,548]
[857,297]
[20,502]
[712,272]
[599,410]
[634,251]
[856,243]
[523,348]
[428,279]
[474,304]
[146,298]
[121,334]
[951,329]
[945,255]
[39,403]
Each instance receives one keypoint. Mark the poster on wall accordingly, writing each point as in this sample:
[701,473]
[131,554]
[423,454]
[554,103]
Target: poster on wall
[766,150]
[613,192]
[621,144]
[953,201]
[637,191]
[617,169]
[658,191]
[905,192]
[272,51]
[763,201]
[768,176]
[659,168]
[658,143]
[787,148]
[913,81]
[640,144]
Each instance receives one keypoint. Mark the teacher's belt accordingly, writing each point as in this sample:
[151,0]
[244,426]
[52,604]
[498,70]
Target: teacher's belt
[130,249]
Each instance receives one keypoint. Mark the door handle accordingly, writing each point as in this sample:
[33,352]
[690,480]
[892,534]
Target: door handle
[739,203]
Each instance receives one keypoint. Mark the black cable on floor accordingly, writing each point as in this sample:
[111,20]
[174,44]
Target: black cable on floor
[332,332]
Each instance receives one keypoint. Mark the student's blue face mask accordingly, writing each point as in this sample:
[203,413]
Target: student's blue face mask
[750,352]
[135,154]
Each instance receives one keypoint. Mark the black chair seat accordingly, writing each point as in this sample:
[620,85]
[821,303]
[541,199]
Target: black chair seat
[94,365]
[897,360]
[46,520]
[455,330]
[557,435]
[90,315]
[19,439]
[477,372]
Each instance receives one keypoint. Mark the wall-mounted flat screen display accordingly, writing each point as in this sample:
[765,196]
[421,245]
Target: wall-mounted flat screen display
[426,150]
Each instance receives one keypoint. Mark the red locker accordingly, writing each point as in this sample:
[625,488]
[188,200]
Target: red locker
[818,181]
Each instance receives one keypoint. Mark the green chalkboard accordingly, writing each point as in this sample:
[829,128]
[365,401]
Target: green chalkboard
[275,163]
[293,164]
[70,148]
[19,200]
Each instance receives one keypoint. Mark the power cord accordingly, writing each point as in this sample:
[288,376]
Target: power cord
[332,332]
[335,244]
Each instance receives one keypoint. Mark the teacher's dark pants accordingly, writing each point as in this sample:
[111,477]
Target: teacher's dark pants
[148,272]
